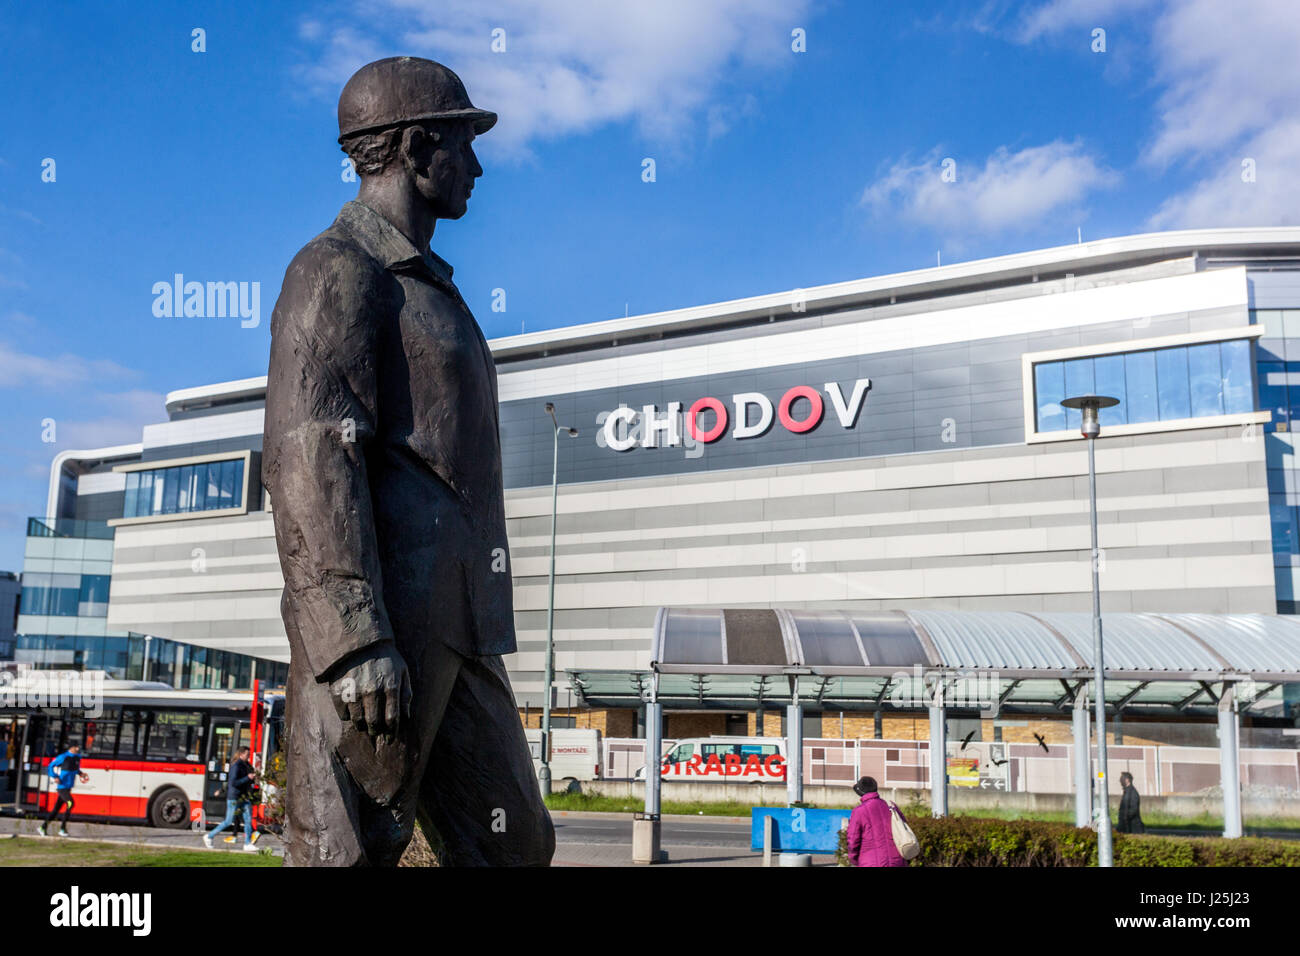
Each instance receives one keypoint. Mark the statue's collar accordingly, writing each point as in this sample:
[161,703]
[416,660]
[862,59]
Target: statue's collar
[386,243]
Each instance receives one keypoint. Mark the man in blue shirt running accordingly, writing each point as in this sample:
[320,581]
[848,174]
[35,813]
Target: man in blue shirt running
[66,769]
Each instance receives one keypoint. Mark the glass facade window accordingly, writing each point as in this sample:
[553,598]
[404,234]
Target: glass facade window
[65,595]
[183,666]
[1278,362]
[1169,384]
[183,489]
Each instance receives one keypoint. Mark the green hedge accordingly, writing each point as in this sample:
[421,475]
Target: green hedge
[976,841]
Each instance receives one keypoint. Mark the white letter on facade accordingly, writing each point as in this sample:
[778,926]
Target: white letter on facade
[848,412]
[612,439]
[742,401]
[669,423]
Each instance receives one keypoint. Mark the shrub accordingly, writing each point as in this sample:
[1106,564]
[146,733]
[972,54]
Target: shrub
[976,841]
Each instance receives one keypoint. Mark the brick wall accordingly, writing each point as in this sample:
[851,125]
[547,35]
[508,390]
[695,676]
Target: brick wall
[771,723]
[610,722]
[677,726]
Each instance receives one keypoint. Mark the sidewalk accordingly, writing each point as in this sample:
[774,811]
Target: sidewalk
[614,854]
[144,836]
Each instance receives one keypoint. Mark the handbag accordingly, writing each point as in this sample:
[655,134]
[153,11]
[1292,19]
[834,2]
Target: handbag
[908,846]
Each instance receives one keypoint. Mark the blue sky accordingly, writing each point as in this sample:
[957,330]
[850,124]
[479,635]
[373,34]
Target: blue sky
[775,169]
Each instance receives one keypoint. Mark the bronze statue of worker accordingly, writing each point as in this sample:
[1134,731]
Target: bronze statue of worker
[383,460]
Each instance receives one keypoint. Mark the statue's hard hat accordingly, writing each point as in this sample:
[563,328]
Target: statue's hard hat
[405,89]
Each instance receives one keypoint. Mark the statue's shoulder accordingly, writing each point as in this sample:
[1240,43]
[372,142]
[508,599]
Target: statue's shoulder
[334,253]
[332,285]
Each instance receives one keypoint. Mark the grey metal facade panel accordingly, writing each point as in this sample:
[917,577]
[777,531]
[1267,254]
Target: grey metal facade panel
[99,506]
[1274,290]
[214,447]
[925,399]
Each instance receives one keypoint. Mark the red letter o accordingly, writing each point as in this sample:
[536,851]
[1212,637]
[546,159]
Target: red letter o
[814,416]
[720,426]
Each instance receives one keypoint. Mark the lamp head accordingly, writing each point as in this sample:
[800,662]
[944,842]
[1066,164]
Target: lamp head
[1090,406]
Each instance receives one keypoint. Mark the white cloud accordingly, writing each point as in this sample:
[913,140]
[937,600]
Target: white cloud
[572,65]
[1012,191]
[1222,198]
[1228,77]
[23,370]
[1059,15]
[119,418]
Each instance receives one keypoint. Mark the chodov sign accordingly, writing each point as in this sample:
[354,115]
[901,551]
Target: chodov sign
[800,409]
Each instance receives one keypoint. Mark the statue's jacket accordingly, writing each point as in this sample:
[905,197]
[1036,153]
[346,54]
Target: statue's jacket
[382,453]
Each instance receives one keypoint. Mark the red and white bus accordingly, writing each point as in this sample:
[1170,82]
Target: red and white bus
[153,754]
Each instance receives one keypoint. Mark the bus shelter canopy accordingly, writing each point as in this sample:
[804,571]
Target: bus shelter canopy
[1033,662]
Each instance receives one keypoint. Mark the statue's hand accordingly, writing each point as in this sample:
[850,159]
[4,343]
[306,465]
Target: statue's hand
[374,692]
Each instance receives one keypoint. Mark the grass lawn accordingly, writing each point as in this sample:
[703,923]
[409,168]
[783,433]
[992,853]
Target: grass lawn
[1155,818]
[25,851]
[595,803]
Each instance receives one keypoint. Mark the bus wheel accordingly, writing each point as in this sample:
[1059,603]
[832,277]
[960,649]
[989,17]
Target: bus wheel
[170,809]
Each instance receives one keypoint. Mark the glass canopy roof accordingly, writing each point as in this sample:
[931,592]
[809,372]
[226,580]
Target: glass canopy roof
[988,660]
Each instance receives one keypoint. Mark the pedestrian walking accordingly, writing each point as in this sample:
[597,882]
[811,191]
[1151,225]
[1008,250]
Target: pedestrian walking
[1130,807]
[66,770]
[871,828]
[240,778]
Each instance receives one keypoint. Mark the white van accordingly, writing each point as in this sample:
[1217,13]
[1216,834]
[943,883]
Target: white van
[575,753]
[725,760]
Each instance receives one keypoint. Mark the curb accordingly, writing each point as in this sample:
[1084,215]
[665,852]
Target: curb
[673,817]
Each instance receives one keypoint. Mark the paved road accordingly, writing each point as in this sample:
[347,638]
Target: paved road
[582,839]
[617,829]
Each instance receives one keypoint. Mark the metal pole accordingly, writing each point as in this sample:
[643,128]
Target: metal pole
[1082,762]
[1229,768]
[938,754]
[1105,850]
[549,678]
[654,736]
[794,743]
[645,826]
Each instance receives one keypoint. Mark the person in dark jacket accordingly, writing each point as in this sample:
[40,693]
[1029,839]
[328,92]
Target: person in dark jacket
[871,828]
[66,769]
[239,797]
[1130,807]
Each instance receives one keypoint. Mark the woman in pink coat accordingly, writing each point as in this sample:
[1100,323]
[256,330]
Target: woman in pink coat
[871,832]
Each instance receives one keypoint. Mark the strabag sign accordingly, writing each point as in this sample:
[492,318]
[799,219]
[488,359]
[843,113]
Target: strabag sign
[746,415]
[727,765]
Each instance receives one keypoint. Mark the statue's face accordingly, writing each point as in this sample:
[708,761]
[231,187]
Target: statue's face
[446,170]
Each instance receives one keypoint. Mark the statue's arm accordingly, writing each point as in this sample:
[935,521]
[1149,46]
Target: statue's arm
[320,417]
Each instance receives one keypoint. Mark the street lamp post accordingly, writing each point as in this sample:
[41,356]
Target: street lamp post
[1090,406]
[544,776]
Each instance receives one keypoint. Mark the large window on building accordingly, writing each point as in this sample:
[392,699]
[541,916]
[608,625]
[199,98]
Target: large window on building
[183,489]
[1200,380]
[65,595]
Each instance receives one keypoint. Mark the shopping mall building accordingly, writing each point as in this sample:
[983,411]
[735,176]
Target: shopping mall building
[887,444]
